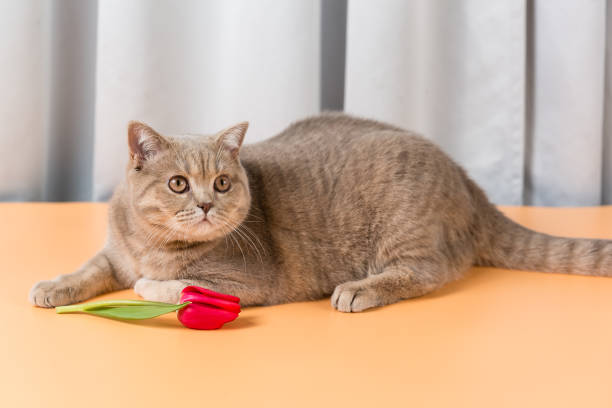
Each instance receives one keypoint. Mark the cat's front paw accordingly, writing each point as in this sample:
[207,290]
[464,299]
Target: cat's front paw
[159,291]
[353,297]
[51,293]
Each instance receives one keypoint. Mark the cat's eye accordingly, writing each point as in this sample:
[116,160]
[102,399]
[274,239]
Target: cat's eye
[178,184]
[222,184]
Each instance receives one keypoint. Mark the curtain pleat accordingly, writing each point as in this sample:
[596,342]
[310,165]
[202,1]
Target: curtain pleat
[517,91]
[607,128]
[200,66]
[22,108]
[69,100]
[451,70]
[564,158]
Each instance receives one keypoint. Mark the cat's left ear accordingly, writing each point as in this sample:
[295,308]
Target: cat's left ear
[232,138]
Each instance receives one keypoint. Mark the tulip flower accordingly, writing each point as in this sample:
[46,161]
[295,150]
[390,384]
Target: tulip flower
[208,309]
[199,308]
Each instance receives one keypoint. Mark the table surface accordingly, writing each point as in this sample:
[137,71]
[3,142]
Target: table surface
[497,338]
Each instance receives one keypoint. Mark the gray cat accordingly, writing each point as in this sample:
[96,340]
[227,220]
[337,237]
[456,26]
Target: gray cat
[334,205]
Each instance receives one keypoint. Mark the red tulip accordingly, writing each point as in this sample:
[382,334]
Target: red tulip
[199,308]
[208,309]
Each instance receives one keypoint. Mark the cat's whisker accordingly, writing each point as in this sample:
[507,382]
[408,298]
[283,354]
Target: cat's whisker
[244,233]
[236,228]
[169,237]
[251,215]
[250,244]
[225,232]
[255,237]
[236,242]
[154,235]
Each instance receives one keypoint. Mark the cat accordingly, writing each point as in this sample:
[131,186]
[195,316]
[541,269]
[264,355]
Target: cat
[366,212]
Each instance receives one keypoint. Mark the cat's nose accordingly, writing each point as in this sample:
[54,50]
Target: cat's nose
[205,207]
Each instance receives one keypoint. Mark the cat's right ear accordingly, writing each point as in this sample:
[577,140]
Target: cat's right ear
[144,143]
[232,137]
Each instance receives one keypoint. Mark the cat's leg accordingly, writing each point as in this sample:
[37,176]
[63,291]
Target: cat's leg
[169,291]
[95,277]
[392,284]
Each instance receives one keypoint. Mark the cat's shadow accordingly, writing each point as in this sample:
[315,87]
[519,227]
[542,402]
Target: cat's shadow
[474,278]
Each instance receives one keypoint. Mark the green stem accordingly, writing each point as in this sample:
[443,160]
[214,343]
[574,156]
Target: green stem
[109,303]
[69,309]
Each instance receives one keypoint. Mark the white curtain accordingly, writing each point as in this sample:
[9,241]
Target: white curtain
[515,90]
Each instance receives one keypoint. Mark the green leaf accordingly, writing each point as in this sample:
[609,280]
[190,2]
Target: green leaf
[134,312]
[123,309]
[103,304]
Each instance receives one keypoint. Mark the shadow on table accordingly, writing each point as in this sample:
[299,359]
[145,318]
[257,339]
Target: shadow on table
[171,322]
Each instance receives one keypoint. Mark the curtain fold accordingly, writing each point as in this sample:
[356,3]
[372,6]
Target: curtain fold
[564,158]
[517,91]
[200,66]
[453,71]
[22,107]
[69,99]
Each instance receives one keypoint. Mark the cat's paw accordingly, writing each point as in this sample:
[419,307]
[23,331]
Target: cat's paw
[51,293]
[354,297]
[159,291]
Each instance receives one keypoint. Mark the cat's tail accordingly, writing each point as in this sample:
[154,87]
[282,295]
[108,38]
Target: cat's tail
[506,244]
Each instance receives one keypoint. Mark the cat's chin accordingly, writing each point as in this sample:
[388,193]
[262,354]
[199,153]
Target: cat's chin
[206,230]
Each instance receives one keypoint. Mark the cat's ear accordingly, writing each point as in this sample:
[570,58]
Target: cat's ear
[144,142]
[232,137]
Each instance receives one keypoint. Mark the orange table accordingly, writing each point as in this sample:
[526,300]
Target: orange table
[498,338]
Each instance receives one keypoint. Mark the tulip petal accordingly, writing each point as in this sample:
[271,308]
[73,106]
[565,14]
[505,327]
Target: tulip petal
[207,300]
[211,293]
[202,317]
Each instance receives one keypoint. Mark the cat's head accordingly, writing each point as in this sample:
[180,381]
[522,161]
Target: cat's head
[189,187]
